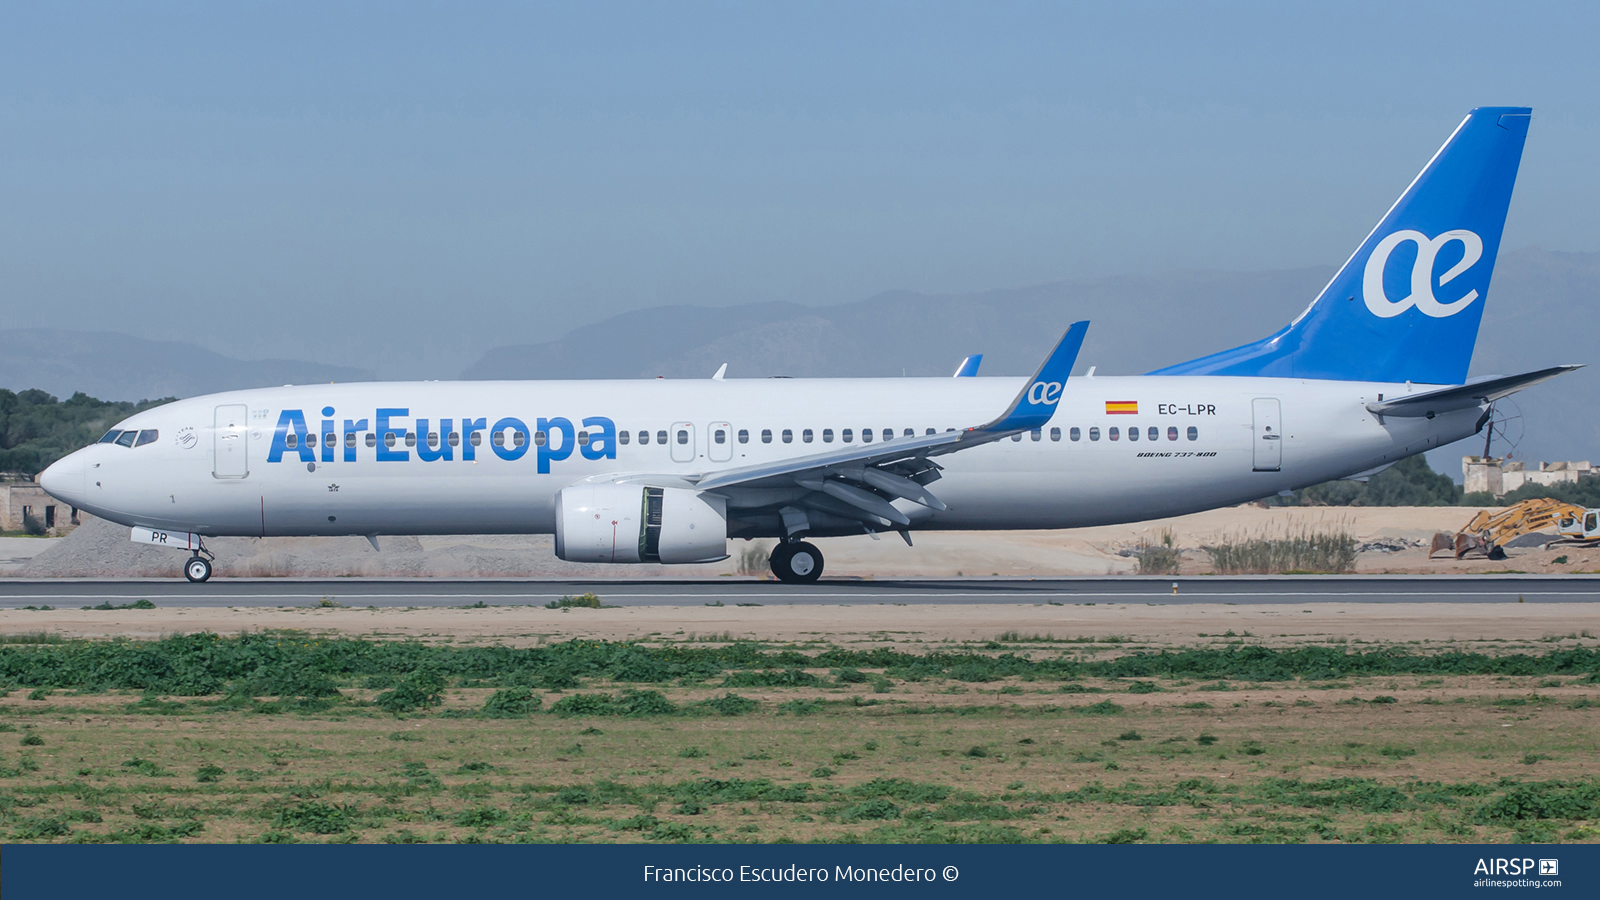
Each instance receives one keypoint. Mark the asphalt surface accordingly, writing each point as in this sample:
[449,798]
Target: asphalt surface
[268,592]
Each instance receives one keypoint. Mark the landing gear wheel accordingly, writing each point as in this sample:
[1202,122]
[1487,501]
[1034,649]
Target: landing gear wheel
[797,563]
[197,569]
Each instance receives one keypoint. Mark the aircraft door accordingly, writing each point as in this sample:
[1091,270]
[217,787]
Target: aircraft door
[681,438]
[230,442]
[720,443]
[1268,454]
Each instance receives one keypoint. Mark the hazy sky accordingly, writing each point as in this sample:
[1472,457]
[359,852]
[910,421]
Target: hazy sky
[386,182]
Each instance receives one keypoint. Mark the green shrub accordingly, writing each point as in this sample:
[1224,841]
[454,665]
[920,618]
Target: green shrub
[421,689]
[582,601]
[629,703]
[315,817]
[511,703]
[870,810]
[730,705]
[1103,708]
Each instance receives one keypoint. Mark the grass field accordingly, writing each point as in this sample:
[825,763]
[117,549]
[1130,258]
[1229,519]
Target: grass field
[292,737]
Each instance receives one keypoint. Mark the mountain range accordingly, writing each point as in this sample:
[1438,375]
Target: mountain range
[1540,312]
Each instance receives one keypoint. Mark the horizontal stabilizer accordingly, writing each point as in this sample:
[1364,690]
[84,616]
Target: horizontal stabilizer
[1432,403]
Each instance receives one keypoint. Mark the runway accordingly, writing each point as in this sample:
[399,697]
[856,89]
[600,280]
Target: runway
[1246,590]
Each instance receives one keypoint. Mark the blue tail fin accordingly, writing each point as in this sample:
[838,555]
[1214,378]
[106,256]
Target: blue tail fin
[1407,304]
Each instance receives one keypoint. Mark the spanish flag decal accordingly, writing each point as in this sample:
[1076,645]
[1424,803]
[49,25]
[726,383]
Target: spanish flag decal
[1122,407]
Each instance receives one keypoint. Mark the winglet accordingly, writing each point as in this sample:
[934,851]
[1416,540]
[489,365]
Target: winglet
[721,371]
[969,366]
[1037,401]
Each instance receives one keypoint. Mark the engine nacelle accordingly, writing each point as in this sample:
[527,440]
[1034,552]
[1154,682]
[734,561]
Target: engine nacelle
[631,523]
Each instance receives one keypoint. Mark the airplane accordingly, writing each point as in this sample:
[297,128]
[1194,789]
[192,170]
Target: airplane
[668,471]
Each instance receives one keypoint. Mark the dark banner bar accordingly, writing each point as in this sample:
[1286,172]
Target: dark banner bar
[57,872]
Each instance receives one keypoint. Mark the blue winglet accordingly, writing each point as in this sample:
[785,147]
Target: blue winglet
[1037,402]
[969,366]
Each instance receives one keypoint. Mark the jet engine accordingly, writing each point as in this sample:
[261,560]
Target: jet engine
[632,523]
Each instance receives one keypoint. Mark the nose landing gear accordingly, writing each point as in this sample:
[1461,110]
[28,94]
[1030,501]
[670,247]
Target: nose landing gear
[796,563]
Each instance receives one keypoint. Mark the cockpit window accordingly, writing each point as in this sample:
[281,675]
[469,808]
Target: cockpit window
[126,439]
[110,436]
[147,436]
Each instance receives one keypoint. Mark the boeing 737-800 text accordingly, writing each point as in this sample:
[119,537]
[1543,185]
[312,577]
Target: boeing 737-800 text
[1373,371]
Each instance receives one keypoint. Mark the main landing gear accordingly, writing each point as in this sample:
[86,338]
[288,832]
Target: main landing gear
[197,569]
[796,563]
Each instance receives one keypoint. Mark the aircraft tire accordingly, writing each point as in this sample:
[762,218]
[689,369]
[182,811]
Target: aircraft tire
[197,569]
[797,563]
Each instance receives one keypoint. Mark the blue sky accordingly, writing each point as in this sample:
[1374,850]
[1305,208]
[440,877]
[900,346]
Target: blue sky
[348,180]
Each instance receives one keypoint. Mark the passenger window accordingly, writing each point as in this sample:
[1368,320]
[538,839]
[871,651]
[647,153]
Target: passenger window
[683,436]
[1038,433]
[623,437]
[539,438]
[1154,433]
[720,436]
[311,440]
[805,436]
[1074,433]
[661,437]
[1094,434]
[1590,523]
[433,439]
[127,438]
[827,435]
[1194,433]
[110,437]
[1172,433]
[1017,436]
[518,438]
[477,439]
[499,439]
[932,431]
[350,439]
[766,436]
[644,438]
[455,439]
[150,436]
[744,436]
[1055,434]
[1133,433]
[583,439]
[910,432]
[372,439]
[388,440]
[788,436]
[846,435]
[411,439]
[290,440]
[331,440]
[866,435]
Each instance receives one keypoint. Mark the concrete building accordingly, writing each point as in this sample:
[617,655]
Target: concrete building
[20,500]
[1499,477]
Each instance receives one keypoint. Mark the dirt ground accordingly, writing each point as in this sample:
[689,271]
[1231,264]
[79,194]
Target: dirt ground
[1397,539]
[1174,625]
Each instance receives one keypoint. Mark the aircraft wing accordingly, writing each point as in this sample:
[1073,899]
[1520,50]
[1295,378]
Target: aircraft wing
[858,476]
[1449,399]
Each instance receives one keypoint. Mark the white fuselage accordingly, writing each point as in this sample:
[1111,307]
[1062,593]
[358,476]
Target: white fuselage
[1209,448]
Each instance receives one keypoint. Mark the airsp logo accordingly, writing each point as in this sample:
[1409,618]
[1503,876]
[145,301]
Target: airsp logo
[187,439]
[1044,393]
[1421,295]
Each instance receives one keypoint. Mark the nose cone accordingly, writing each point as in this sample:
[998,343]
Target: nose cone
[64,479]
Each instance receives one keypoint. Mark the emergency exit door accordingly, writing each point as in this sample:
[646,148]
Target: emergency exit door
[1268,434]
[231,442]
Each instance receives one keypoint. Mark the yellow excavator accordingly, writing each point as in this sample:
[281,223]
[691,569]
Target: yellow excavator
[1488,532]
